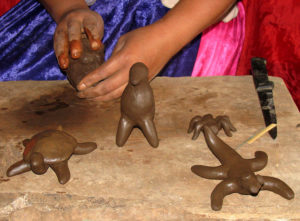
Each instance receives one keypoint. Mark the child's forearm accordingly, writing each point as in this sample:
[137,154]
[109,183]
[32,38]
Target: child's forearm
[57,8]
[189,18]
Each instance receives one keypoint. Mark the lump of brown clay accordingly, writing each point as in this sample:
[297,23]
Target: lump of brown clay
[237,173]
[50,148]
[137,107]
[85,64]
[216,124]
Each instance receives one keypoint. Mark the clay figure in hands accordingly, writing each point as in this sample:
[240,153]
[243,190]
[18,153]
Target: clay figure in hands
[237,174]
[89,60]
[137,107]
[216,124]
[50,148]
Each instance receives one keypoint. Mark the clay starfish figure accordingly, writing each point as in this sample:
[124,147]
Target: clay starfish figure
[137,107]
[86,63]
[216,124]
[237,173]
[50,148]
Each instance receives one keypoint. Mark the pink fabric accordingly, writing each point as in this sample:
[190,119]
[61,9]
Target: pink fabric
[221,47]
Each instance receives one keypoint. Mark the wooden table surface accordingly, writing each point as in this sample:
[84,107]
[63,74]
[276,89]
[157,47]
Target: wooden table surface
[138,182]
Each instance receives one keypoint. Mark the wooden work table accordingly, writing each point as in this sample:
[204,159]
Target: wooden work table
[138,182]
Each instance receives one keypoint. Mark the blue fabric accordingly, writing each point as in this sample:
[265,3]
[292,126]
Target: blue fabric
[26,38]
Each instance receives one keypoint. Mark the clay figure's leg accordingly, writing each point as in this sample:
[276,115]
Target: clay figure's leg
[149,130]
[124,130]
[223,189]
[217,173]
[37,164]
[18,168]
[277,186]
[62,171]
[84,148]
[259,162]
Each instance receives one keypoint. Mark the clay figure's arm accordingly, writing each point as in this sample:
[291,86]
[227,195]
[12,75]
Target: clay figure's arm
[277,186]
[62,171]
[84,148]
[71,17]
[225,154]
[216,173]
[223,189]
[153,45]
[18,168]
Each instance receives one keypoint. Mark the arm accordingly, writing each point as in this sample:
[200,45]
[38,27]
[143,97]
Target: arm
[72,18]
[153,45]
[191,17]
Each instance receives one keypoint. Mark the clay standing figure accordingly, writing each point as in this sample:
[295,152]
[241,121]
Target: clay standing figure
[237,173]
[86,63]
[215,124]
[137,107]
[50,148]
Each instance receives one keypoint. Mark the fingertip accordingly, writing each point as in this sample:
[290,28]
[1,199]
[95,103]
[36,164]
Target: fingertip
[81,86]
[75,48]
[63,61]
[80,95]
[95,44]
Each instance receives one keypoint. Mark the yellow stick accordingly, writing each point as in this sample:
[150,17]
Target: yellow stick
[257,135]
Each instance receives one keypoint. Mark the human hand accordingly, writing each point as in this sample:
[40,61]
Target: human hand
[148,45]
[215,124]
[69,30]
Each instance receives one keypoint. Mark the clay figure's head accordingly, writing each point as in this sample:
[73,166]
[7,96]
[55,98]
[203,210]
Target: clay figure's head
[251,183]
[37,163]
[138,73]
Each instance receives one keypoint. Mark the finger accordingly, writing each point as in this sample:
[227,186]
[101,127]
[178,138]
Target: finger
[193,122]
[74,32]
[228,123]
[105,87]
[227,130]
[95,44]
[93,27]
[232,128]
[196,133]
[108,68]
[113,95]
[61,48]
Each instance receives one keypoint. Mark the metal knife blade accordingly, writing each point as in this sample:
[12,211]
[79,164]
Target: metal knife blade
[264,89]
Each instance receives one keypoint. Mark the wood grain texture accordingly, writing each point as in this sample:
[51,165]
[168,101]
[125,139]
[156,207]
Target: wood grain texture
[138,182]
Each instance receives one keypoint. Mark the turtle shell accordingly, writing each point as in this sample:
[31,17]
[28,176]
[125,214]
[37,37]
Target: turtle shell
[54,145]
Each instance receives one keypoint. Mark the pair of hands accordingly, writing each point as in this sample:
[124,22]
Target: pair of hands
[140,45]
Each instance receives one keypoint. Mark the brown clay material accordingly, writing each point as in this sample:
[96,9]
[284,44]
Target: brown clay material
[137,107]
[216,124]
[237,173]
[85,64]
[50,148]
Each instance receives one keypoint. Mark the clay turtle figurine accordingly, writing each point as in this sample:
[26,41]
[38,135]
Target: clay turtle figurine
[88,61]
[215,124]
[237,173]
[50,148]
[137,107]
